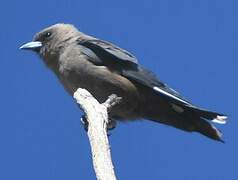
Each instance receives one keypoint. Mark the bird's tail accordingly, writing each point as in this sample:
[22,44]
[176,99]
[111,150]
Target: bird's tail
[204,127]
[209,115]
[191,118]
[201,121]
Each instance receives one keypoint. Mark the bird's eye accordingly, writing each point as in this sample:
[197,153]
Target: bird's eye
[48,34]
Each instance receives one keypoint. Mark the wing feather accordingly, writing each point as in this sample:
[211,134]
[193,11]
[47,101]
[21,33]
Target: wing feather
[107,54]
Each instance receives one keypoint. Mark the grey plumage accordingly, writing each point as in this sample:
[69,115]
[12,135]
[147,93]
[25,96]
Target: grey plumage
[80,60]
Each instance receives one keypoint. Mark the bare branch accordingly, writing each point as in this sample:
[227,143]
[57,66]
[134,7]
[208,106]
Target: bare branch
[97,117]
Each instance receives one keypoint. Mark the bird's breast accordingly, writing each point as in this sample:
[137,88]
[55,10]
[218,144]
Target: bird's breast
[102,82]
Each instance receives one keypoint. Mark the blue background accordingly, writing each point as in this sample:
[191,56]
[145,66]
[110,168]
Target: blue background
[190,44]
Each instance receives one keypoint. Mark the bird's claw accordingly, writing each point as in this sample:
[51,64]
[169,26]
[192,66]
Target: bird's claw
[110,125]
[84,121]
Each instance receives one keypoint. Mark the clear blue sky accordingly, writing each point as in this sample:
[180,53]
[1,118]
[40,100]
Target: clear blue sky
[190,44]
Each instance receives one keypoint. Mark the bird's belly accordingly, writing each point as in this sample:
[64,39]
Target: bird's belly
[101,83]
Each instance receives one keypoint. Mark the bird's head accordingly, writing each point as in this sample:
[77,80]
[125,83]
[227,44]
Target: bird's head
[50,41]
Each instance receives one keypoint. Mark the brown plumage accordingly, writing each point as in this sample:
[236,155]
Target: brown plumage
[80,60]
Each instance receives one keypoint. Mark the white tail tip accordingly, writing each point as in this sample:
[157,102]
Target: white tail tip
[220,119]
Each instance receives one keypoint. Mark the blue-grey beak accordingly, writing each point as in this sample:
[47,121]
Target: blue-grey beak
[34,45]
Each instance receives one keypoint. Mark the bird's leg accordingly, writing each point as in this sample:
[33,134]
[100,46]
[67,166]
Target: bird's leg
[111,125]
[109,103]
[84,121]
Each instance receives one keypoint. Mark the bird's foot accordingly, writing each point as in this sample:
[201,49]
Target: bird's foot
[110,125]
[84,121]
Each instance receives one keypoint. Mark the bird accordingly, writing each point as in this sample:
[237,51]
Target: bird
[83,61]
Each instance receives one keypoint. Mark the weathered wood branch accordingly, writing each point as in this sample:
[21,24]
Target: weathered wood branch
[97,118]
